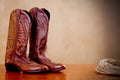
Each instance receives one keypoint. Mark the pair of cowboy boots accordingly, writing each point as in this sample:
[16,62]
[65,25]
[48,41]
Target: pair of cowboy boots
[22,25]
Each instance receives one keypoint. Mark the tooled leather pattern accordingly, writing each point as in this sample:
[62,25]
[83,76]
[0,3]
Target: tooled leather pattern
[39,34]
[18,29]
[11,35]
[41,31]
[22,34]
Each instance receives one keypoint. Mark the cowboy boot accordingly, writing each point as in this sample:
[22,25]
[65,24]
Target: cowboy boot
[16,58]
[38,39]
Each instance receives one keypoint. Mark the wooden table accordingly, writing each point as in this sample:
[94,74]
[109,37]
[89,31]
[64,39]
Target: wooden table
[73,72]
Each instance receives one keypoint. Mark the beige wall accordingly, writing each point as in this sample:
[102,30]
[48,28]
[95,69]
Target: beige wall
[81,31]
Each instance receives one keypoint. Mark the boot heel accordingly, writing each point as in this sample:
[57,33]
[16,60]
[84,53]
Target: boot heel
[11,67]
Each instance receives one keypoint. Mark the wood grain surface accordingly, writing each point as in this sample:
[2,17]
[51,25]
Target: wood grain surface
[73,72]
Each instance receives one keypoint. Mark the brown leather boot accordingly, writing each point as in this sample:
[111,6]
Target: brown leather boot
[18,33]
[38,39]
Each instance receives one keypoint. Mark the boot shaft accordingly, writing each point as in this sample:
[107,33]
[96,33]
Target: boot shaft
[38,38]
[18,32]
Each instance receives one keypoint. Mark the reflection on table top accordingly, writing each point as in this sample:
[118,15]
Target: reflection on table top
[73,72]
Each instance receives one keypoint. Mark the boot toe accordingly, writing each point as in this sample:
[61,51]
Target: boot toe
[58,68]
